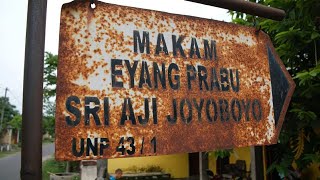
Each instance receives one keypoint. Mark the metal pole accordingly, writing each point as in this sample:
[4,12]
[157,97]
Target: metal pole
[31,152]
[102,169]
[3,107]
[200,166]
[246,7]
[257,166]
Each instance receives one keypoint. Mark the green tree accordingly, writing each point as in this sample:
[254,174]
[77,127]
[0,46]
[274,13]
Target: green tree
[50,81]
[9,111]
[50,75]
[16,122]
[49,92]
[48,125]
[297,41]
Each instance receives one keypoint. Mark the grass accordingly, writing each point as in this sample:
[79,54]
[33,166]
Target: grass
[17,148]
[14,150]
[48,140]
[52,166]
[7,153]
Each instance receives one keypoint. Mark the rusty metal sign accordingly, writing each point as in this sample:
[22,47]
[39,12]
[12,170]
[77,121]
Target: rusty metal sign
[134,82]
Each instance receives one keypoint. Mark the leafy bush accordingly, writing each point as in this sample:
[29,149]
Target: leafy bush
[52,166]
[146,169]
[297,41]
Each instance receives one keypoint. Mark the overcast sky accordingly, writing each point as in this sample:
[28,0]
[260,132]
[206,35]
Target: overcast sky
[13,16]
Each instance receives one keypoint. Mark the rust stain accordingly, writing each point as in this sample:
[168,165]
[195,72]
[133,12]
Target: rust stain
[91,40]
[90,11]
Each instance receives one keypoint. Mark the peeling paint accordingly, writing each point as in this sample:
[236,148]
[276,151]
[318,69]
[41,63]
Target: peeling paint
[90,41]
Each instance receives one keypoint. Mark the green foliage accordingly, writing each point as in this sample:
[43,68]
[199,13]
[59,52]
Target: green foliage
[145,169]
[153,168]
[312,157]
[297,41]
[49,108]
[52,166]
[222,153]
[16,122]
[296,37]
[14,150]
[10,111]
[309,81]
[50,75]
[282,167]
[49,92]
[48,125]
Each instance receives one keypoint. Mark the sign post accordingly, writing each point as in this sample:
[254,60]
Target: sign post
[31,147]
[247,7]
[134,82]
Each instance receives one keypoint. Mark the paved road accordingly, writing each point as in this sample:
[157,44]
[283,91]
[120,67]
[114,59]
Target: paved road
[10,166]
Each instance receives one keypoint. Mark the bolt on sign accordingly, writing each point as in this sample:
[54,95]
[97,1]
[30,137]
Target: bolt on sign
[135,82]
